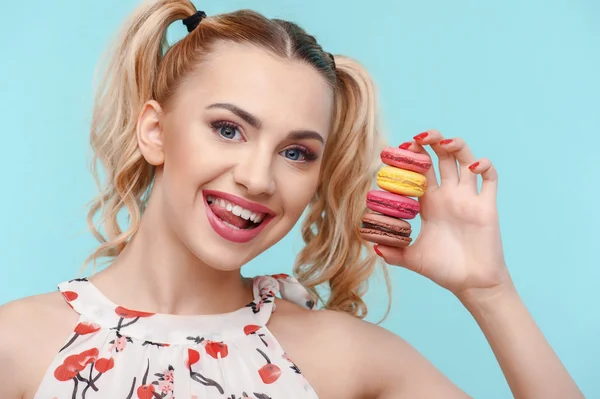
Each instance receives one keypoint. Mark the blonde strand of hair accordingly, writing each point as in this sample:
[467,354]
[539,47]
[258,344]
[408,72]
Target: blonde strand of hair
[335,253]
[127,83]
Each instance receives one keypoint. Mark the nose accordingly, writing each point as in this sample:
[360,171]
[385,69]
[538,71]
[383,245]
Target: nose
[254,171]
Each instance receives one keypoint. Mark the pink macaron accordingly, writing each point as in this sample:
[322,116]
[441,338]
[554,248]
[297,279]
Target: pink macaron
[391,204]
[405,159]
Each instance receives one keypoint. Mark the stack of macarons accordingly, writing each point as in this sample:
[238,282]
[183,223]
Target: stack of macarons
[401,178]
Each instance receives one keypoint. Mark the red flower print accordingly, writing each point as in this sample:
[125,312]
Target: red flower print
[269,373]
[215,348]
[70,295]
[103,365]
[125,313]
[82,328]
[145,391]
[86,328]
[131,314]
[119,343]
[193,357]
[251,329]
[74,364]
[168,375]
[280,276]
[165,387]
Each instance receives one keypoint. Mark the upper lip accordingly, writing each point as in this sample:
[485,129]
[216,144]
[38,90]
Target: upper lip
[244,203]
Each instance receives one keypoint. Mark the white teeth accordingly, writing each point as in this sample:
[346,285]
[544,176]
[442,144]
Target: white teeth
[236,210]
[245,214]
[253,216]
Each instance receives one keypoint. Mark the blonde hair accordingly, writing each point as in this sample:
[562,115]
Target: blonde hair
[141,67]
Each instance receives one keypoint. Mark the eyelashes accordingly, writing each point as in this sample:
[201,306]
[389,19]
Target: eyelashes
[228,128]
[231,131]
[308,155]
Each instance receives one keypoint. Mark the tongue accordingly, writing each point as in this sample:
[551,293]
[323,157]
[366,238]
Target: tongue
[229,217]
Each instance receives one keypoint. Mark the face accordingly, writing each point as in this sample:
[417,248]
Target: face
[238,152]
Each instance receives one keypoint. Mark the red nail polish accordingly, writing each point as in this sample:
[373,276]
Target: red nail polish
[405,146]
[476,164]
[421,136]
[446,141]
[377,251]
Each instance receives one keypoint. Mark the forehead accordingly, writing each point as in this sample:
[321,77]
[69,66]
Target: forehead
[284,94]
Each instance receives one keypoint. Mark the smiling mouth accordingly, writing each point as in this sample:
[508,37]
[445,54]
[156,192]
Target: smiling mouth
[233,215]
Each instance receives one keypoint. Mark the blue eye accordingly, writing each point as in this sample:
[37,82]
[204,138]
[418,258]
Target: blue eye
[293,154]
[298,154]
[228,130]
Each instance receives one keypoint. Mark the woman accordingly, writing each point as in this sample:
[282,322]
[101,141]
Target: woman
[215,149]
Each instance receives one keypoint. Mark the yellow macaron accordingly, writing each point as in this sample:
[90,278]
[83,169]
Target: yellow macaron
[401,181]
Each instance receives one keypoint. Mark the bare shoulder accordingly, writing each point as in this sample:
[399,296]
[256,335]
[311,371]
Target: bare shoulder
[369,361]
[32,330]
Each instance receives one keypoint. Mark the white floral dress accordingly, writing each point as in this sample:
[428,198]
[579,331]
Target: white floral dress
[120,353]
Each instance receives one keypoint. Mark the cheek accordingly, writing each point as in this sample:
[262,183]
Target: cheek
[179,170]
[297,191]
[190,162]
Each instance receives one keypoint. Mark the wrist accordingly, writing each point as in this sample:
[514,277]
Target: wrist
[480,301]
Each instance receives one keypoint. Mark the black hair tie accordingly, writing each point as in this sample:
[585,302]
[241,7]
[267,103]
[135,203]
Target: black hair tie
[193,21]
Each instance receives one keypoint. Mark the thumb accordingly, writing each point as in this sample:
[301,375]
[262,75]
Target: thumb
[398,256]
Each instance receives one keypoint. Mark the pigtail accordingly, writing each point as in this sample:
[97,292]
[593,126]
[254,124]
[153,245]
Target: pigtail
[335,254]
[127,83]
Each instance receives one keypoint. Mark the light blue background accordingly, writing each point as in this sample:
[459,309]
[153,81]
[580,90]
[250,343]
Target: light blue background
[519,80]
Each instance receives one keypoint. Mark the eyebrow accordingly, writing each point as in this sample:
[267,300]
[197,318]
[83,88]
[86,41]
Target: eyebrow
[257,124]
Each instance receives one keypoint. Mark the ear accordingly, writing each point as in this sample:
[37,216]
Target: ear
[150,134]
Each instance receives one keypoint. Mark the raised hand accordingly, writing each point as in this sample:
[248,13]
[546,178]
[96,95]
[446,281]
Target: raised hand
[459,245]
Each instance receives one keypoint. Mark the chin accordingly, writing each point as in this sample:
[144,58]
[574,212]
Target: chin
[221,260]
[215,251]
[228,231]
[222,255]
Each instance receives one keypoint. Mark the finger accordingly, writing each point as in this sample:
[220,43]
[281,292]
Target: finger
[395,256]
[489,175]
[465,157]
[446,160]
[432,182]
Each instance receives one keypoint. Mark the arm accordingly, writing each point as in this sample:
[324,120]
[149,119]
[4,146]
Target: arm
[11,370]
[406,374]
[459,247]
[32,330]
[529,364]
[378,363]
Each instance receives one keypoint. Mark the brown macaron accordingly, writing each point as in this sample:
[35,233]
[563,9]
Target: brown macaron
[385,230]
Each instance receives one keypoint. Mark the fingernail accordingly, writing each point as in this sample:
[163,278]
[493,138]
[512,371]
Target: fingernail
[377,251]
[421,136]
[446,141]
[405,146]
[476,164]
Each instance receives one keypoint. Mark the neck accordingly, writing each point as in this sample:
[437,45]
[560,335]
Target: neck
[156,272]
